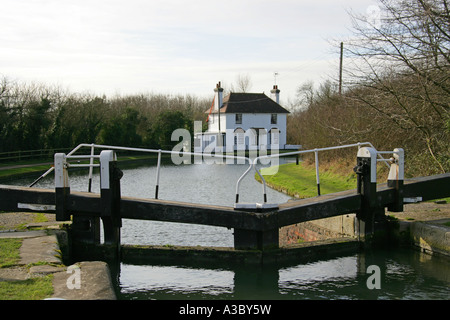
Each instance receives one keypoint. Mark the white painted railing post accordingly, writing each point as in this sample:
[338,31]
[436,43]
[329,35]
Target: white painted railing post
[316,158]
[62,188]
[91,167]
[110,177]
[396,178]
[61,176]
[158,169]
[262,179]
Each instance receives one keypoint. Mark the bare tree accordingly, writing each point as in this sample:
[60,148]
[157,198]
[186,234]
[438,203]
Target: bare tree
[243,83]
[403,58]
[305,94]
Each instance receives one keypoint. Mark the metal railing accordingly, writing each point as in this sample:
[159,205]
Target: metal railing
[159,152]
[252,162]
[316,158]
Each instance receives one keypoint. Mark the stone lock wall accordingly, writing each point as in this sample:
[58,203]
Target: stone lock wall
[334,227]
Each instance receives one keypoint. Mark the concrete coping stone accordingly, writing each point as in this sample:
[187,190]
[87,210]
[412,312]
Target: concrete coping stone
[40,249]
[432,237]
[43,250]
[88,280]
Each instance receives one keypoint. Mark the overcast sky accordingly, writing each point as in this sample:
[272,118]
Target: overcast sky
[172,46]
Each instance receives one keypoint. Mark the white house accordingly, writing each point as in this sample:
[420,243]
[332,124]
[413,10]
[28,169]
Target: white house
[244,121]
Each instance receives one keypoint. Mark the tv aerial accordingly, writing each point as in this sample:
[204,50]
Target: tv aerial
[275,74]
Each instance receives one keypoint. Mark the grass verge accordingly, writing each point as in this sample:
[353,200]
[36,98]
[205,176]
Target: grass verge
[9,252]
[37,288]
[30,289]
[13,172]
[300,180]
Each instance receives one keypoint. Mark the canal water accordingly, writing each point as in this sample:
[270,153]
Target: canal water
[400,273]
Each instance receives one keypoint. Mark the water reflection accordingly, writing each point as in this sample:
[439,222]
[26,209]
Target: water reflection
[403,276]
[170,282]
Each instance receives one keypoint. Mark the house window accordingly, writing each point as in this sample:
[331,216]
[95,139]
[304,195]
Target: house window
[238,118]
[273,118]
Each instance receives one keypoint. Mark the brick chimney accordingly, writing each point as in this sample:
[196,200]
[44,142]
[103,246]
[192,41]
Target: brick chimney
[275,94]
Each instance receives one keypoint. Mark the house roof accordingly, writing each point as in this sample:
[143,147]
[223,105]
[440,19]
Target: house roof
[250,103]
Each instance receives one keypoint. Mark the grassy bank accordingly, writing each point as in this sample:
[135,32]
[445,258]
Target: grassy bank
[23,170]
[37,288]
[9,252]
[34,168]
[300,180]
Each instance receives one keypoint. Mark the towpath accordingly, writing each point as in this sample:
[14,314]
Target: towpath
[40,256]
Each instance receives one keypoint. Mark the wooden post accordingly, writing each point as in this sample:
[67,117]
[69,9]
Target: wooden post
[110,177]
[62,188]
[256,240]
[84,229]
[261,238]
[370,215]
